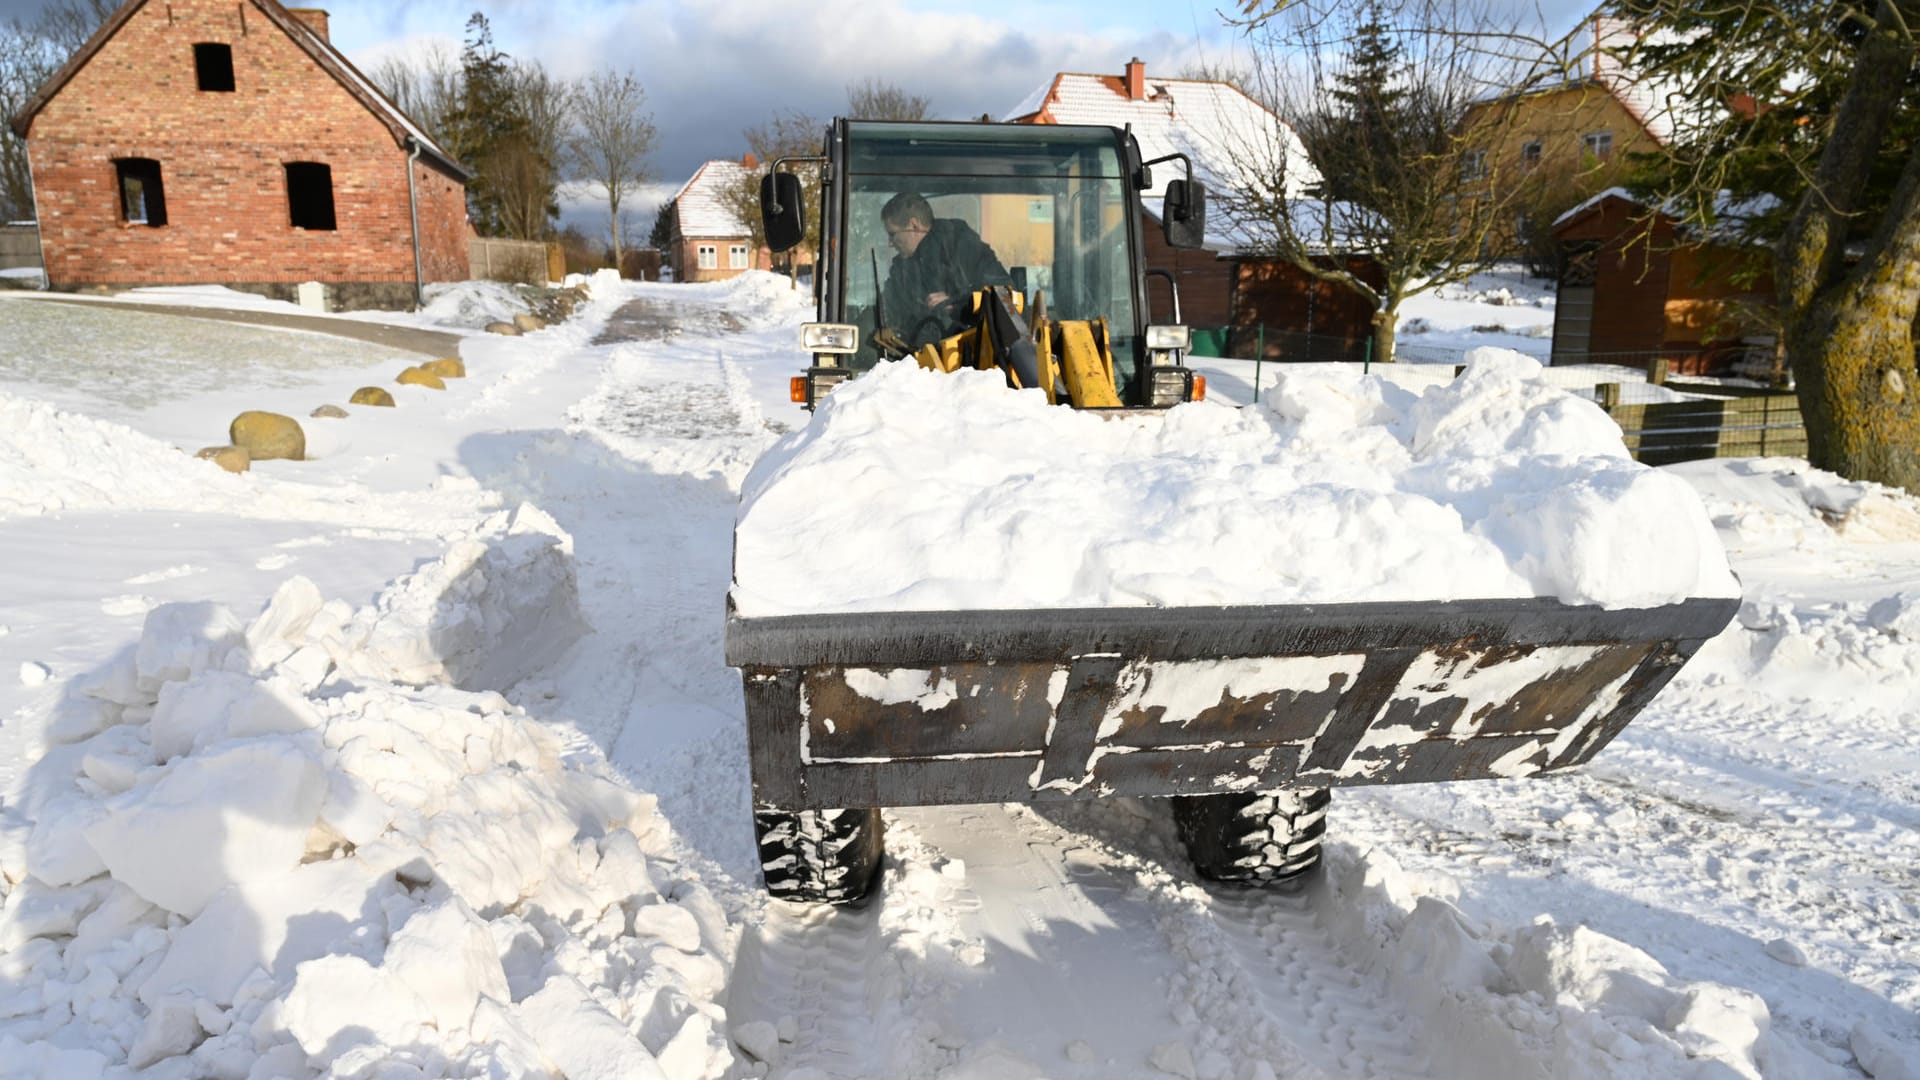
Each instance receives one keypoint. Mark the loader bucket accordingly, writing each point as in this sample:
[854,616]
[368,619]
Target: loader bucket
[925,708]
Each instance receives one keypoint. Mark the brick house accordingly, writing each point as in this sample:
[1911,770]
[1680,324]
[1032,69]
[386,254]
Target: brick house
[1226,133]
[227,142]
[1638,286]
[710,242]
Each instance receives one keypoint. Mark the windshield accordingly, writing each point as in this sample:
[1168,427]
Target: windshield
[1042,208]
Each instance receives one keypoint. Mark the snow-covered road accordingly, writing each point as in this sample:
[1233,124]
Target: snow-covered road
[1729,889]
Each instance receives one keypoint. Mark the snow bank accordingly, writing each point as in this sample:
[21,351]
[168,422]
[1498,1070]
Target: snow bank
[473,304]
[1857,649]
[913,490]
[1583,1003]
[53,460]
[274,859]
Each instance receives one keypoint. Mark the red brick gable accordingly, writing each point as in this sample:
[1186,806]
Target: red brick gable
[272,14]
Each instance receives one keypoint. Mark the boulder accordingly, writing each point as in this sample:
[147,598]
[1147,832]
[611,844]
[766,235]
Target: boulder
[371,395]
[446,367]
[414,376]
[506,328]
[529,323]
[266,436]
[329,412]
[230,458]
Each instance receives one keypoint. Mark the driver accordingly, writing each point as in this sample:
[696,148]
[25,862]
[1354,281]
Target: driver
[937,266]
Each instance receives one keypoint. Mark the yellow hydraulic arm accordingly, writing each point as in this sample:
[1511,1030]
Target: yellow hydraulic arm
[1069,357]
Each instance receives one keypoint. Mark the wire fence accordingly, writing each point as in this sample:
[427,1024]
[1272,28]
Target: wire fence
[1664,418]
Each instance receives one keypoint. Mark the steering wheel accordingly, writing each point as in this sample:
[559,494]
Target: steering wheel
[940,314]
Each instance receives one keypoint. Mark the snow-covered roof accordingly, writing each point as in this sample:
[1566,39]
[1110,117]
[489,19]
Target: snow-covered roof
[1232,139]
[702,206]
[1730,213]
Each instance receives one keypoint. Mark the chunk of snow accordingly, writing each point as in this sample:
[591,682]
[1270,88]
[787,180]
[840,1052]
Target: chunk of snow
[338,1001]
[238,813]
[1881,1056]
[1174,1059]
[581,1037]
[34,673]
[759,1039]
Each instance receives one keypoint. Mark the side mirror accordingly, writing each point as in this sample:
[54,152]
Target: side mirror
[783,210]
[1184,215]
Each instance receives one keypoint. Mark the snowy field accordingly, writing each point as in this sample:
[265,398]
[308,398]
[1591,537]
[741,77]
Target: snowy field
[420,759]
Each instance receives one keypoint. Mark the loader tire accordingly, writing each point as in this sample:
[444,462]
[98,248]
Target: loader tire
[819,856]
[1254,839]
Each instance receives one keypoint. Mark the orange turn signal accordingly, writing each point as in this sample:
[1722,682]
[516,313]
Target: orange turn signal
[1199,388]
[797,389]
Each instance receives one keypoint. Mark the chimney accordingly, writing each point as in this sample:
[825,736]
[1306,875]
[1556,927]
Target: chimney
[1136,80]
[749,162]
[315,19]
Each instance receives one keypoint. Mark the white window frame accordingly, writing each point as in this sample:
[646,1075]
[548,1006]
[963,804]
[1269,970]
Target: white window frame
[737,257]
[708,256]
[1598,143]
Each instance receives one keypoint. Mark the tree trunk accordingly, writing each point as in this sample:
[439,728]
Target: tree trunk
[1849,331]
[1858,392]
[1383,332]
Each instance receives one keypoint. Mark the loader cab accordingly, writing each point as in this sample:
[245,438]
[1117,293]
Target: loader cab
[1058,205]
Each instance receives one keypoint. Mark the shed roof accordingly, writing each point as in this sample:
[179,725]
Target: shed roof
[330,59]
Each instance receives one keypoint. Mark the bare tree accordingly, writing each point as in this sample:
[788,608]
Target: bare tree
[610,139]
[425,87]
[30,52]
[877,99]
[787,134]
[1377,95]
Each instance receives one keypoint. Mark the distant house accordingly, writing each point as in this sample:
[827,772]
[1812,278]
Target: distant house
[1545,149]
[1638,286]
[710,242]
[1227,135]
[227,142]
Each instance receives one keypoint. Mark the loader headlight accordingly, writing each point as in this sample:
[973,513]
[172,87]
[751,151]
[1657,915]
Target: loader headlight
[820,337]
[1170,385]
[1163,338]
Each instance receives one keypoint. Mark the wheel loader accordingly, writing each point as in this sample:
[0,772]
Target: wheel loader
[1242,716]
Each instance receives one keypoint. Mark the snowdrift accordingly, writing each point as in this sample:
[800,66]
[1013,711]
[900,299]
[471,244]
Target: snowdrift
[292,847]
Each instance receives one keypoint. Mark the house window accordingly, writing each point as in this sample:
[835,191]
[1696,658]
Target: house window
[213,64]
[737,257]
[709,257]
[1598,143]
[310,195]
[1473,165]
[1530,155]
[143,201]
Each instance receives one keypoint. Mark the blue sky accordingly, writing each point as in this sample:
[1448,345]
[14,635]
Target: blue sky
[713,68]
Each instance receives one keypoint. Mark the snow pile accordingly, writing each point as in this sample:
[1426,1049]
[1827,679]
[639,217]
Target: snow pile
[1587,1004]
[1860,649]
[500,605]
[473,304]
[250,856]
[766,300]
[948,491]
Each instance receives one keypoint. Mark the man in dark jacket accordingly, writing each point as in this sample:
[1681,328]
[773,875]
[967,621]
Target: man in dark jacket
[937,266]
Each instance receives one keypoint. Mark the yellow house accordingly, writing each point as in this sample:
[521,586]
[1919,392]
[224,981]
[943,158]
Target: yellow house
[1545,150]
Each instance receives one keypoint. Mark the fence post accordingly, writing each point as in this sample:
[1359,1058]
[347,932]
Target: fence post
[1459,370]
[1609,393]
[1259,354]
[1657,371]
[1366,356]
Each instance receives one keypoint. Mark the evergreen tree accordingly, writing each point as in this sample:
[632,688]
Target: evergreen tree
[1362,139]
[661,238]
[492,130]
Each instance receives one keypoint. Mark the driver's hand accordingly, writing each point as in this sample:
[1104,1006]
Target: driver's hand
[936,299]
